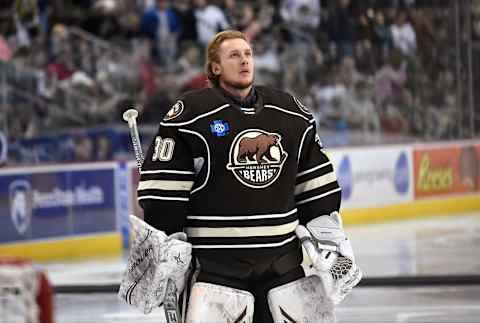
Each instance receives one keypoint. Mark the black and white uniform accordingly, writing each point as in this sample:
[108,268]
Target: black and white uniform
[238,180]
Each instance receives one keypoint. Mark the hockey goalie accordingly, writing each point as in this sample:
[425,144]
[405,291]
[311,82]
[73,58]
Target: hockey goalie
[234,182]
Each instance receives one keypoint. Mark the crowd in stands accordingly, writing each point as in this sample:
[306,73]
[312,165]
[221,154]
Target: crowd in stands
[369,67]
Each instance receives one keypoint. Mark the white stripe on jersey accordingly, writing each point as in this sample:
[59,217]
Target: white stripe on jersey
[258,245]
[313,169]
[315,183]
[168,124]
[165,185]
[241,217]
[286,111]
[301,142]
[164,198]
[318,196]
[241,232]
[208,157]
[166,171]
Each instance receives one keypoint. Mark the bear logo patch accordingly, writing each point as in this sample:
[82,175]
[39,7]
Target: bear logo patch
[256,157]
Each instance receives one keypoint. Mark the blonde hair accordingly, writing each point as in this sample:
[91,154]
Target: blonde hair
[212,51]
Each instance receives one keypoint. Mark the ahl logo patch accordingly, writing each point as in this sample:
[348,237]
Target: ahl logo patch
[256,157]
[175,111]
[219,128]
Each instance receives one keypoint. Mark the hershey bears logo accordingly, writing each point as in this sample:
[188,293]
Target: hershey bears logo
[256,157]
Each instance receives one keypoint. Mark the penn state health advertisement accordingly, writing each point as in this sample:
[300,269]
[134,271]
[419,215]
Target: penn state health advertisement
[52,202]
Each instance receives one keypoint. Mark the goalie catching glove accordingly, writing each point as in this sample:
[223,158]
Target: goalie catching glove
[154,259]
[331,254]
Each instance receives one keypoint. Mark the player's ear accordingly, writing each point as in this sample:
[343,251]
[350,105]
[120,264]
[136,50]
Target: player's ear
[216,68]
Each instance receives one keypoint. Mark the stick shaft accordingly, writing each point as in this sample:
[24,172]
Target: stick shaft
[137,147]
[172,311]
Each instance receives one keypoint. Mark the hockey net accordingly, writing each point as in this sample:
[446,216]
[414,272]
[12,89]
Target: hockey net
[25,293]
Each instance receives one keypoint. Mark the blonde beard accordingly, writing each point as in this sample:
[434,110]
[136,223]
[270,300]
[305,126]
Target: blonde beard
[237,85]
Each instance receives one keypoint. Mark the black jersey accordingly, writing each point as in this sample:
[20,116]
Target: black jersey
[235,178]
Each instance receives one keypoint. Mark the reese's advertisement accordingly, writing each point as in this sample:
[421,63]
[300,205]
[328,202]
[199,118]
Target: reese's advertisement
[447,170]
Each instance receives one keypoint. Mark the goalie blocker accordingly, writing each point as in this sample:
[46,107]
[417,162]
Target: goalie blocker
[331,254]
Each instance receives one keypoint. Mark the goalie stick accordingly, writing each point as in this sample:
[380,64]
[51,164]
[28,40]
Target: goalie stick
[170,302]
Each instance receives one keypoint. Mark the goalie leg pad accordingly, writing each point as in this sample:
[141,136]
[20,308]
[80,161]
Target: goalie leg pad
[302,300]
[215,303]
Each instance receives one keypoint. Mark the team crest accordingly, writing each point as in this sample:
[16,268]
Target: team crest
[175,111]
[301,105]
[256,157]
[21,203]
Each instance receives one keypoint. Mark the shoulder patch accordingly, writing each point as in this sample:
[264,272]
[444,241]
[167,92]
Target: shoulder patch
[175,111]
[318,141]
[301,106]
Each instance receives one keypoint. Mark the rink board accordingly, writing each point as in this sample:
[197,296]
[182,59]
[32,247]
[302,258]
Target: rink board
[63,211]
[56,212]
[388,183]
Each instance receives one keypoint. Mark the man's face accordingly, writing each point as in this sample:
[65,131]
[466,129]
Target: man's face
[236,67]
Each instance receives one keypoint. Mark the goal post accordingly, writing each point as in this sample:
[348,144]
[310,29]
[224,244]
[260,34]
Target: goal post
[25,292]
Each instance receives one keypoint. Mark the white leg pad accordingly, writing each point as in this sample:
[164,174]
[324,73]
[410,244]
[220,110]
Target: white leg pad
[210,303]
[301,301]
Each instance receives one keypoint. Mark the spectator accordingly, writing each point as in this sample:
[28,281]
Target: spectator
[188,64]
[382,39]
[364,56]
[341,29]
[359,109]
[103,149]
[188,22]
[390,82]
[5,51]
[61,67]
[22,123]
[161,25]
[301,13]
[348,73]
[82,149]
[146,70]
[422,23]
[246,21]
[327,91]
[210,20]
[403,35]
[392,120]
[267,62]
[27,20]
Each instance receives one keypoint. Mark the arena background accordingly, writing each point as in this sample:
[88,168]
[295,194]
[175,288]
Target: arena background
[394,86]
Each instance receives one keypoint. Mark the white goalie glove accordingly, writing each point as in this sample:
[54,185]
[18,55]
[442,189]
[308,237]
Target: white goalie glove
[331,254]
[154,260]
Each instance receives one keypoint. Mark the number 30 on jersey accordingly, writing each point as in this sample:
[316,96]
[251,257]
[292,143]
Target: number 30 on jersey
[163,149]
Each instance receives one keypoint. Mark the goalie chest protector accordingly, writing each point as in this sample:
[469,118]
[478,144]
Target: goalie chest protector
[245,165]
